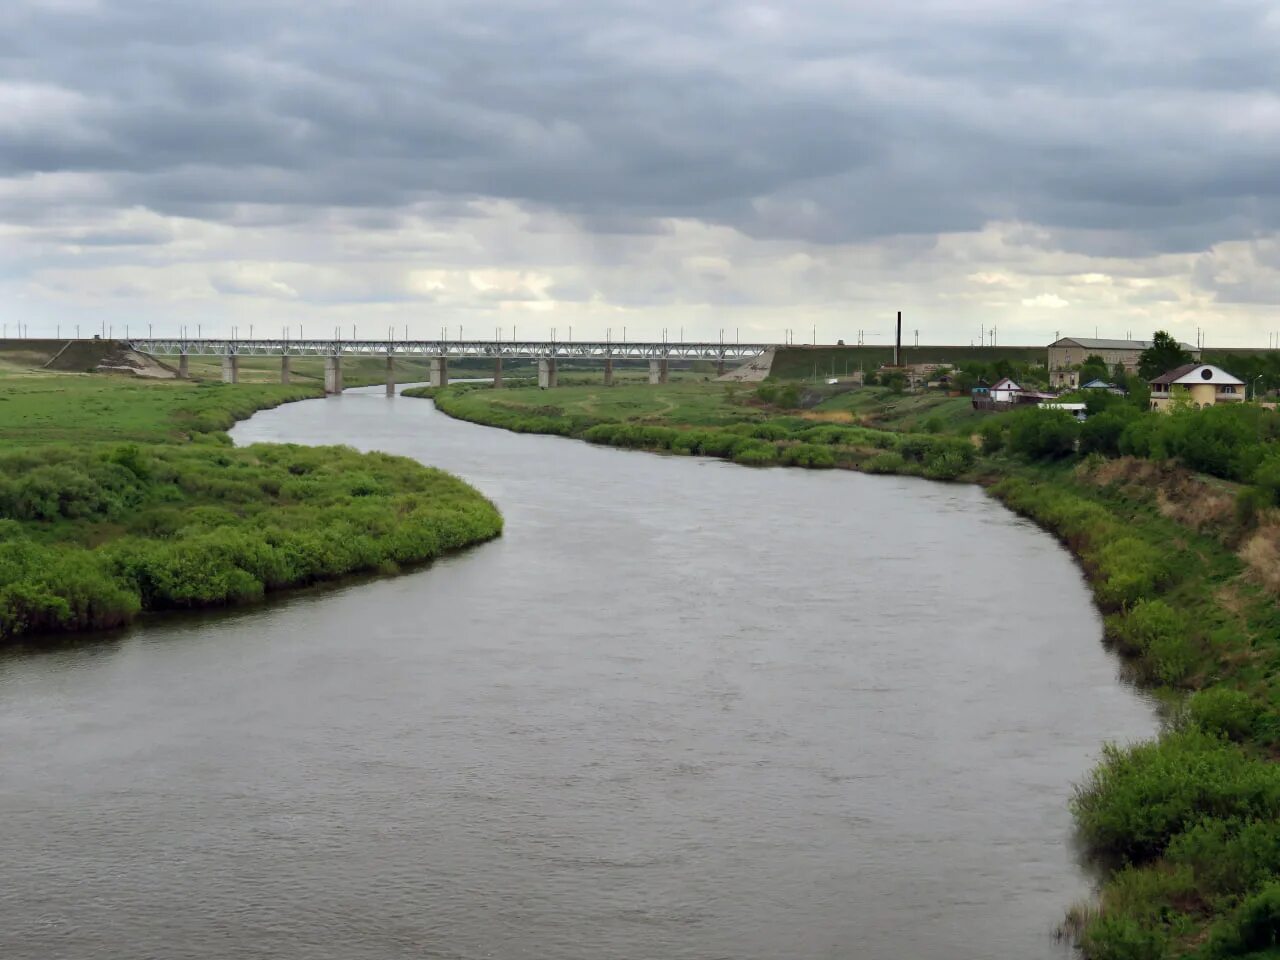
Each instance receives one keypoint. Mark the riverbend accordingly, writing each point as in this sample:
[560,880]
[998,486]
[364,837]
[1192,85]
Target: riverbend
[682,709]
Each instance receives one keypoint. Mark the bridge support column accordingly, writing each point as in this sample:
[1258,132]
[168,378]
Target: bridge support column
[333,374]
[547,373]
[438,371]
[231,368]
[608,371]
[720,366]
[497,373]
[184,367]
[658,371]
[286,374]
[391,375]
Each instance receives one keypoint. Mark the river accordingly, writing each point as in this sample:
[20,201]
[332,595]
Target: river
[682,710]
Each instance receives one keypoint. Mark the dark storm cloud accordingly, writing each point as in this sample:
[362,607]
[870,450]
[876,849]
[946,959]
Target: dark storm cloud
[1147,126]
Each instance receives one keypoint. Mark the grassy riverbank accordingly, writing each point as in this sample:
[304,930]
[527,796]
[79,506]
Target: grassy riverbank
[121,496]
[1185,568]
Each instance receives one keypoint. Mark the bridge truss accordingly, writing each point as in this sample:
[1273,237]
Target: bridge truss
[490,349]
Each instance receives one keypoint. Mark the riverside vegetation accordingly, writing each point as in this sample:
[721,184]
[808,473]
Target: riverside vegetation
[120,496]
[1174,519]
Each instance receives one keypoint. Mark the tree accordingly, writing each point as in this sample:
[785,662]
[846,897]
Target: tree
[1039,434]
[1093,368]
[1101,434]
[1164,354]
[1139,391]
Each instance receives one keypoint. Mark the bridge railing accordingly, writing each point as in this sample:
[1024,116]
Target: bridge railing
[493,349]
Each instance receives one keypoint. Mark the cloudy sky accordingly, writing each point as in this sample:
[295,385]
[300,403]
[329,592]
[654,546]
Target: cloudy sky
[705,165]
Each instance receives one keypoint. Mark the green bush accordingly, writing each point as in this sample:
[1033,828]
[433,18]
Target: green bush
[1266,478]
[755,453]
[1250,501]
[1141,797]
[1101,434]
[1129,570]
[946,465]
[1221,710]
[1254,926]
[1123,938]
[210,525]
[808,455]
[992,434]
[1040,434]
[788,397]
[1228,857]
[890,462]
[1155,631]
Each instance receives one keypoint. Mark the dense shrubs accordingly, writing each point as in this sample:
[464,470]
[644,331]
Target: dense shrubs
[1101,434]
[992,434]
[1223,711]
[1039,434]
[1253,927]
[206,525]
[786,396]
[1153,630]
[1139,798]
[1232,441]
[800,445]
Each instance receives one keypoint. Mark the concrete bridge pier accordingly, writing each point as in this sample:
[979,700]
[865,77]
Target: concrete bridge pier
[391,375]
[497,373]
[547,373]
[608,371]
[720,366]
[333,374]
[184,367]
[658,371]
[438,371]
[231,368]
[286,375]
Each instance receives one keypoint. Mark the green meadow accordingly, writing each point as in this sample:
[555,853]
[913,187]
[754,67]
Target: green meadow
[123,496]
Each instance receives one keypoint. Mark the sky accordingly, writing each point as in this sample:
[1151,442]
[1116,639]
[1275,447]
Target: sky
[708,168]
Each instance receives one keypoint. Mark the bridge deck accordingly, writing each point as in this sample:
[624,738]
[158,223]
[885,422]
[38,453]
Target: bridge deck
[491,349]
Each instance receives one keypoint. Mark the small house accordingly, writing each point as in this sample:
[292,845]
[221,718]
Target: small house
[1201,384]
[1005,390]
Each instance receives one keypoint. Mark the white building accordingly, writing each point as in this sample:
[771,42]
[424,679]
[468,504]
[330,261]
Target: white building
[1005,391]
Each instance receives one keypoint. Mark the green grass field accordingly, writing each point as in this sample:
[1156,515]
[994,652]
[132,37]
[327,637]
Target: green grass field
[931,411]
[122,495]
[696,402]
[37,409]
[692,402]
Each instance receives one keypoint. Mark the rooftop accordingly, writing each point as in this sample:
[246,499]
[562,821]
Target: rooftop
[1197,373]
[1090,343]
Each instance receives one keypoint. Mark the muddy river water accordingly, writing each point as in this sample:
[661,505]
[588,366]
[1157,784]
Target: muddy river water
[681,710]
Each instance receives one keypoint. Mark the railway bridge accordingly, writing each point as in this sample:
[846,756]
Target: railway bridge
[547,353]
